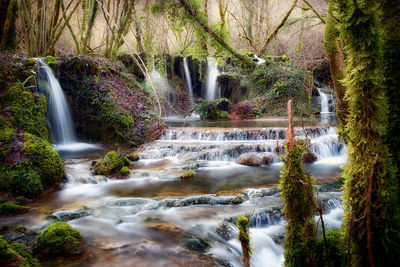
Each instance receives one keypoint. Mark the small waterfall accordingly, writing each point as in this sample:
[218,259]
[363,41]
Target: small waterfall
[188,81]
[213,72]
[59,114]
[324,101]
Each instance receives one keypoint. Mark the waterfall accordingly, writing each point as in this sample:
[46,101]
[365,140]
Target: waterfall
[324,101]
[212,74]
[59,114]
[188,81]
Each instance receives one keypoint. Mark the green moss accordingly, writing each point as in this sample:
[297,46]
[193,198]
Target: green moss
[59,237]
[334,240]
[51,61]
[44,160]
[118,125]
[28,112]
[214,110]
[188,174]
[16,254]
[25,183]
[112,162]
[10,208]
[298,209]
[124,171]
[243,224]
[368,156]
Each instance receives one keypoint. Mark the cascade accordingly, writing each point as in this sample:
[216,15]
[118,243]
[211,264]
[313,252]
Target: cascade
[59,114]
[324,101]
[188,81]
[212,74]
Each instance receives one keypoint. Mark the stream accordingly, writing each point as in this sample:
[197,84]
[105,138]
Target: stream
[154,218]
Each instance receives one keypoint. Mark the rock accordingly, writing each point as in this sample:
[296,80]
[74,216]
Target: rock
[112,162]
[230,87]
[255,159]
[12,209]
[188,174]
[309,157]
[124,171]
[133,157]
[60,238]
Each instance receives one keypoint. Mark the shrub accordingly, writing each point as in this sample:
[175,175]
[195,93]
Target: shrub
[215,109]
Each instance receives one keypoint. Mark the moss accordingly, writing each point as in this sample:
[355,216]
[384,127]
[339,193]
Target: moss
[28,112]
[118,125]
[243,224]
[334,240]
[125,171]
[188,174]
[215,109]
[298,209]
[12,254]
[112,162]
[59,237]
[10,208]
[368,163]
[51,61]
[43,159]
[25,183]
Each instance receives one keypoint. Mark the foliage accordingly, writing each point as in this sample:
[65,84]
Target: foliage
[59,237]
[370,190]
[112,162]
[298,209]
[214,109]
[23,182]
[10,208]
[337,258]
[13,254]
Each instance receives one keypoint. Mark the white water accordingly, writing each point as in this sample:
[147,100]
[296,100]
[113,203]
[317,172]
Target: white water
[324,101]
[59,114]
[212,74]
[188,81]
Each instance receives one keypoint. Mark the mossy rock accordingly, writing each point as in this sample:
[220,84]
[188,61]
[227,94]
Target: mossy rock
[59,238]
[51,61]
[44,159]
[113,161]
[124,171]
[11,208]
[26,110]
[29,165]
[16,254]
[214,110]
[187,175]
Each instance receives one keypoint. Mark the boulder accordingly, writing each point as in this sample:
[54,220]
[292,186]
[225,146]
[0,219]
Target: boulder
[255,159]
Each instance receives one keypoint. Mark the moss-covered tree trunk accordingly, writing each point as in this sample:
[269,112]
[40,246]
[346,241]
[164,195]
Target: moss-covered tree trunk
[298,205]
[332,44]
[370,189]
[391,48]
[8,9]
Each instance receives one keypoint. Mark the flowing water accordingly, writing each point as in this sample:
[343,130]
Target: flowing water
[212,74]
[326,107]
[154,218]
[58,112]
[188,81]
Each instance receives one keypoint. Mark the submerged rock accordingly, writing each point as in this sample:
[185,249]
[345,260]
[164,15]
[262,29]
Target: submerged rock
[255,159]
